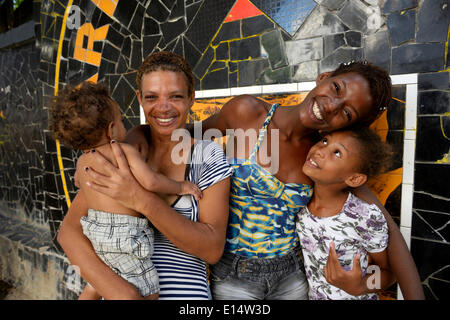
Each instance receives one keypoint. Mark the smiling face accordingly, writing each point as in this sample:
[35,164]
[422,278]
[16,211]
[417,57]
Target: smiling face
[336,102]
[334,160]
[165,99]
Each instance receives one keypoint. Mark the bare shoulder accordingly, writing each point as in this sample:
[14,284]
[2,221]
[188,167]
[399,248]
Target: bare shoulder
[244,109]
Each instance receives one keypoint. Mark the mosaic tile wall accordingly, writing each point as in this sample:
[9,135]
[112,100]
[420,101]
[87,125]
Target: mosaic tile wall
[228,43]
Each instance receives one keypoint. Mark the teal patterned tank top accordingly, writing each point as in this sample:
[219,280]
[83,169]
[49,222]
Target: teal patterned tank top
[262,208]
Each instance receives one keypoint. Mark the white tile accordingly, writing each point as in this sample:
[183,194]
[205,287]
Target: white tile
[408,161]
[411,107]
[306,86]
[198,94]
[406,233]
[410,135]
[216,93]
[406,205]
[141,115]
[246,90]
[399,293]
[404,78]
[279,88]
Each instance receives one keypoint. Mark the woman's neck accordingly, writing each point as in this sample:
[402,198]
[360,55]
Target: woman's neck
[327,200]
[287,119]
[161,147]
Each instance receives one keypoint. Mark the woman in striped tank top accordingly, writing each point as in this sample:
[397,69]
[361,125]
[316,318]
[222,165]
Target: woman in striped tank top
[189,233]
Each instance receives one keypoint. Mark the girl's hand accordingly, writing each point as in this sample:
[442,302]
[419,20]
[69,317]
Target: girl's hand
[349,281]
[188,187]
[119,182]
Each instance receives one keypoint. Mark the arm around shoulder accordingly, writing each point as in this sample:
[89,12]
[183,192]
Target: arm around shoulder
[400,259]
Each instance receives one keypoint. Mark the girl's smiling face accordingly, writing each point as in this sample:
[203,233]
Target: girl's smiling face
[336,102]
[333,159]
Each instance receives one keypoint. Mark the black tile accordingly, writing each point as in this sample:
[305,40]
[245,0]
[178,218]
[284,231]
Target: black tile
[157,11]
[204,62]
[429,129]
[429,256]
[437,80]
[396,115]
[172,29]
[401,26]
[256,25]
[191,11]
[207,21]
[250,70]
[136,22]
[426,201]
[433,102]
[177,10]
[124,11]
[232,79]
[228,31]
[110,52]
[215,80]
[332,42]
[353,38]
[115,37]
[435,28]
[178,49]
[378,51]
[151,27]
[411,58]
[430,225]
[245,49]
[398,5]
[136,54]
[149,44]
[431,178]
[274,46]
[269,76]
[222,52]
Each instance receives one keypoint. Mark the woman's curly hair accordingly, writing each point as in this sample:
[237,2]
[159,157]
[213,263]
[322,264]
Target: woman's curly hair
[379,83]
[80,115]
[165,61]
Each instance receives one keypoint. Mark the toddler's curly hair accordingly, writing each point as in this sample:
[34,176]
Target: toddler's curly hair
[375,155]
[80,115]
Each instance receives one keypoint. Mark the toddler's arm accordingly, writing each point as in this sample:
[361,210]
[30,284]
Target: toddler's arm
[154,181]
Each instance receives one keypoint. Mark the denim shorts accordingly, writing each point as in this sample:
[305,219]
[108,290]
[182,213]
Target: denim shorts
[125,244]
[236,277]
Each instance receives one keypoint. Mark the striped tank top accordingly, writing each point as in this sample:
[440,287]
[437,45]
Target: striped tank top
[183,275]
[262,208]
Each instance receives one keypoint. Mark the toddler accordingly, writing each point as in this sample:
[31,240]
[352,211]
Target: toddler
[86,118]
[339,232]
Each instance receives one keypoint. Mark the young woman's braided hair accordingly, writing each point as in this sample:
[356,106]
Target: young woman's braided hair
[379,83]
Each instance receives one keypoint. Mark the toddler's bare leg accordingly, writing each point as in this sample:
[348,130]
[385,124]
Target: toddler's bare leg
[153,296]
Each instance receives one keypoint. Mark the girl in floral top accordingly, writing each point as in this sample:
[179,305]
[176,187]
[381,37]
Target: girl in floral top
[339,232]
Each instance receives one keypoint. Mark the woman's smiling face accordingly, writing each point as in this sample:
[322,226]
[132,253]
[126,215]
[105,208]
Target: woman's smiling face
[336,102]
[165,98]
